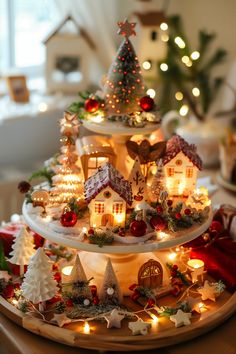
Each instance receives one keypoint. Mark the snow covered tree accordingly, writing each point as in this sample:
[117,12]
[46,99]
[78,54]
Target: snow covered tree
[22,249]
[124,85]
[138,184]
[110,292]
[39,284]
[158,184]
[67,181]
[79,280]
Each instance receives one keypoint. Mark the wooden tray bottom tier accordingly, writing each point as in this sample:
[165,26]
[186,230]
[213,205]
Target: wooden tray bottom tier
[161,334]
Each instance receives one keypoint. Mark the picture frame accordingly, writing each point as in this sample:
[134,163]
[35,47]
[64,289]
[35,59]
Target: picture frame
[17,87]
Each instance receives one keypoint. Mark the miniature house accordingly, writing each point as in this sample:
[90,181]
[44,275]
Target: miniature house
[69,51]
[180,165]
[107,194]
[150,43]
[94,152]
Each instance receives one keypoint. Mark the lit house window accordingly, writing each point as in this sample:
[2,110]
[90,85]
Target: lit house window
[189,172]
[117,208]
[99,208]
[94,163]
[170,171]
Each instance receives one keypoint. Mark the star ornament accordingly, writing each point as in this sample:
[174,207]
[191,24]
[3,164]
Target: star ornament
[139,327]
[114,319]
[61,319]
[181,318]
[208,291]
[126,28]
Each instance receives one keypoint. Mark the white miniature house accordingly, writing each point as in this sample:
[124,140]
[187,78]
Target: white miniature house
[107,194]
[150,43]
[69,55]
[180,165]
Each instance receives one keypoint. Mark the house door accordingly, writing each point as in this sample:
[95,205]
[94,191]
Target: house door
[150,275]
[107,220]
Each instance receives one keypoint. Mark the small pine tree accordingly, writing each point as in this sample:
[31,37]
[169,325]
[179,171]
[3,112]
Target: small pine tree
[39,284]
[124,84]
[79,280]
[110,292]
[138,184]
[158,184]
[67,181]
[22,249]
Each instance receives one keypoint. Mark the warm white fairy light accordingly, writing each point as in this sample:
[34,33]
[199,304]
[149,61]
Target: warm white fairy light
[195,55]
[179,96]
[196,91]
[185,59]
[146,65]
[164,37]
[151,92]
[164,26]
[164,67]
[86,328]
[172,256]
[183,110]
[189,63]
[15,302]
[154,318]
[180,43]
[42,107]
[97,119]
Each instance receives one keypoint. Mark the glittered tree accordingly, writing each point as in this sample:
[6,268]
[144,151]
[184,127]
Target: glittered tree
[124,85]
[79,280]
[22,249]
[110,292]
[158,185]
[67,181]
[39,284]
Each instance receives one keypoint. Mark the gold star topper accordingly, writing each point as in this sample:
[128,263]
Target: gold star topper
[126,28]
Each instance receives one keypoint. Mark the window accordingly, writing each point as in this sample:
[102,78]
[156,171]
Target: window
[170,171]
[94,163]
[117,208]
[189,172]
[99,208]
[154,36]
[23,26]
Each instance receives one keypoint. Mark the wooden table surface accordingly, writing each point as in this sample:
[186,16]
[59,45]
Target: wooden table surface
[221,340]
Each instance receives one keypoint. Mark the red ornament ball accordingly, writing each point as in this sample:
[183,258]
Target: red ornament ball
[169,202]
[216,226]
[178,216]
[150,302]
[159,209]
[91,231]
[91,105]
[187,211]
[138,228]
[24,186]
[146,103]
[95,300]
[8,291]
[158,223]
[69,302]
[68,219]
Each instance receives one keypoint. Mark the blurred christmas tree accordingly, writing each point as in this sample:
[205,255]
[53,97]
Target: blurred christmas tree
[187,80]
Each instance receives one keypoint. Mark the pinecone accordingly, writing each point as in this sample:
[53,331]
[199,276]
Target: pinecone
[24,186]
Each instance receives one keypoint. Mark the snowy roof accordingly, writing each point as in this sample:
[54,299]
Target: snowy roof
[106,176]
[177,144]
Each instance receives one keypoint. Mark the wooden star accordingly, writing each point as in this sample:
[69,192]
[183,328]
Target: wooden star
[114,319]
[194,303]
[181,318]
[139,327]
[61,319]
[126,28]
[5,275]
[208,291]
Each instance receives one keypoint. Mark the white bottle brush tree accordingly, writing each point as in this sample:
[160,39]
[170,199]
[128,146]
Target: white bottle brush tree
[110,293]
[39,284]
[22,249]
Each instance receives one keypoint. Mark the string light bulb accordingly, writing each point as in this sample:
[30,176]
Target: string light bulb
[185,59]
[179,96]
[196,91]
[195,55]
[183,110]
[151,92]
[86,328]
[146,65]
[172,256]
[164,37]
[164,26]
[164,67]
[180,43]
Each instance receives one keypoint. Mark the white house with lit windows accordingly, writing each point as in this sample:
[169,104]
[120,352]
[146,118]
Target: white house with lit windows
[107,194]
[180,166]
